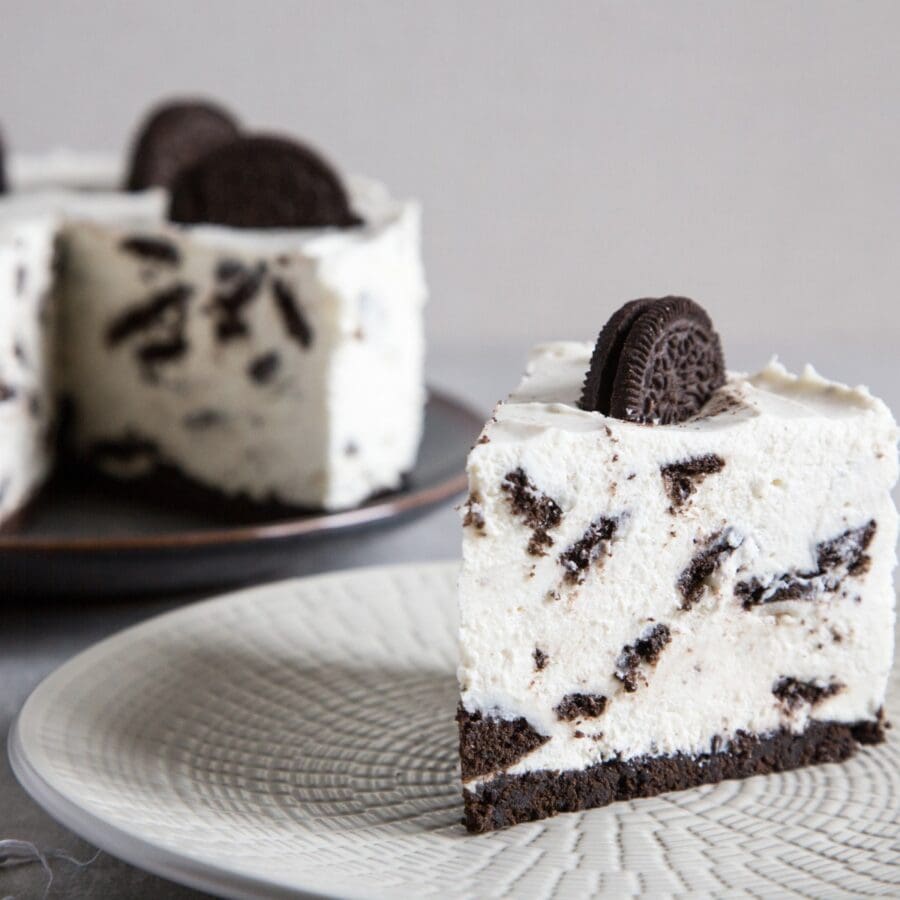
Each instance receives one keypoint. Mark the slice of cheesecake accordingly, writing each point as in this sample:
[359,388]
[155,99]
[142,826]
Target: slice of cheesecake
[648,607]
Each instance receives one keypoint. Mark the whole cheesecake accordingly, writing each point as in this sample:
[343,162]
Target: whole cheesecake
[242,319]
[690,583]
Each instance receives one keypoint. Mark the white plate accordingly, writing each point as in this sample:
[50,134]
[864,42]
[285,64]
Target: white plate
[299,737]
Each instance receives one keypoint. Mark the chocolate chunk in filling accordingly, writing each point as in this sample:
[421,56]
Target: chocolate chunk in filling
[166,307]
[588,549]
[231,300]
[580,706]
[836,559]
[692,581]
[264,368]
[645,651]
[792,692]
[155,249]
[540,659]
[681,479]
[291,314]
[539,512]
[488,743]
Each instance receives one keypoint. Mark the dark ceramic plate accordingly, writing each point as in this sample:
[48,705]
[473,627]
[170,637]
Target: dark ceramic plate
[87,535]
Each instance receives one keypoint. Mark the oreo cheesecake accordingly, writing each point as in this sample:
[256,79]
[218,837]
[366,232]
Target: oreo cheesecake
[241,319]
[672,574]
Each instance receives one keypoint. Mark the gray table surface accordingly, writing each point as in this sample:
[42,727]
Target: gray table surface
[36,640]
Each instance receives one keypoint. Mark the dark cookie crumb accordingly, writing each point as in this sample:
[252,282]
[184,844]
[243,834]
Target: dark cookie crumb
[156,249]
[203,419]
[230,302]
[7,392]
[473,518]
[681,479]
[538,511]
[163,351]
[291,313]
[836,559]
[488,744]
[692,581]
[351,448]
[540,659]
[154,311]
[576,706]
[589,548]
[646,650]
[21,278]
[229,268]
[263,369]
[484,439]
[792,692]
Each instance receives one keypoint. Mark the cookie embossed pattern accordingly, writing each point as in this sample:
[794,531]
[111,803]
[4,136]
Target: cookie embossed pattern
[712,595]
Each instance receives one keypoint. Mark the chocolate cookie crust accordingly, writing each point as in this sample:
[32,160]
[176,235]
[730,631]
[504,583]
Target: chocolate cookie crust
[510,799]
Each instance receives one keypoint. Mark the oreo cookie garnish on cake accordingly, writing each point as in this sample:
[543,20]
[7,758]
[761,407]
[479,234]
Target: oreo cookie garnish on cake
[262,181]
[174,135]
[656,360]
[685,544]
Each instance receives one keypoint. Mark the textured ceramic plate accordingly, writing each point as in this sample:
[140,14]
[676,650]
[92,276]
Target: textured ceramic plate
[299,737]
[99,538]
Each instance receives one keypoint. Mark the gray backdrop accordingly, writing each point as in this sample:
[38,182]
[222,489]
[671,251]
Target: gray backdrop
[570,155]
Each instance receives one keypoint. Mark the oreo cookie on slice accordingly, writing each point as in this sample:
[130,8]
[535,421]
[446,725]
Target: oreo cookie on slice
[262,182]
[173,136]
[596,393]
[656,361]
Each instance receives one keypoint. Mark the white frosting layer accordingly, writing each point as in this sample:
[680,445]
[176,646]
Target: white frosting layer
[64,168]
[26,365]
[804,461]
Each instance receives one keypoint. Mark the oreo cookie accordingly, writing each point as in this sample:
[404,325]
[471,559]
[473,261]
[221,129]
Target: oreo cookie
[656,361]
[262,182]
[174,136]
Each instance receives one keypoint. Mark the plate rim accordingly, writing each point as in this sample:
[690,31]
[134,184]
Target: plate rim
[129,846]
[391,506]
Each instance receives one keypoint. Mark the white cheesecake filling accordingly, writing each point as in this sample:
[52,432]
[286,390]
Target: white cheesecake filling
[323,416]
[26,361]
[804,462]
